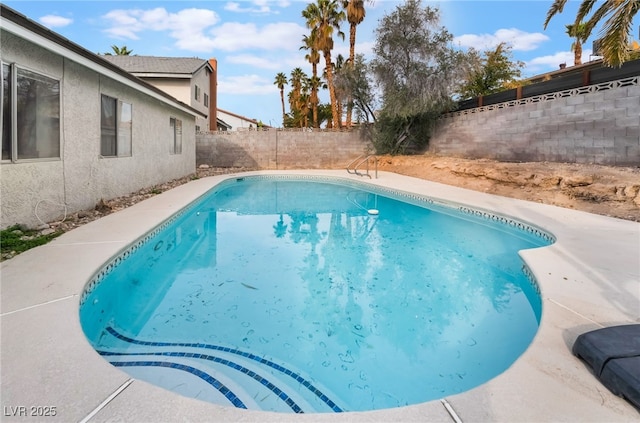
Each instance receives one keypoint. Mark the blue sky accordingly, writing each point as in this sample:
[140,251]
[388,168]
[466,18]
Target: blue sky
[254,40]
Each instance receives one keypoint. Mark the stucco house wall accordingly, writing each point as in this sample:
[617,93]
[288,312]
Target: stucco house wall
[178,88]
[177,76]
[184,89]
[81,177]
[236,121]
[201,80]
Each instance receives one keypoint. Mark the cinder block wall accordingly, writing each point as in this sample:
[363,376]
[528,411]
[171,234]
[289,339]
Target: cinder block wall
[278,149]
[601,127]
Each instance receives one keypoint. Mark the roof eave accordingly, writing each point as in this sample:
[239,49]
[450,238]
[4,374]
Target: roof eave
[24,27]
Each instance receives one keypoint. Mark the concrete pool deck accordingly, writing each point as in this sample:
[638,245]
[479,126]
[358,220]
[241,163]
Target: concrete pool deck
[590,278]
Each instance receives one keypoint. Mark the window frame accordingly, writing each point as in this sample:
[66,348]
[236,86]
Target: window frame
[14,154]
[117,129]
[197,93]
[176,135]
[206,100]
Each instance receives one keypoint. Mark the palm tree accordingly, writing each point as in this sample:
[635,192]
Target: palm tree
[315,83]
[616,28]
[355,16]
[308,43]
[304,102]
[296,97]
[281,81]
[579,32]
[324,17]
[337,67]
[120,51]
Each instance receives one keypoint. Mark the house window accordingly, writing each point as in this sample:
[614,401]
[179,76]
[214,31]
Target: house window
[206,100]
[176,135]
[197,93]
[115,127]
[30,122]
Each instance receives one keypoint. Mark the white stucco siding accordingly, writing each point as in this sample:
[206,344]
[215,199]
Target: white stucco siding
[177,88]
[201,79]
[80,178]
[32,190]
[235,121]
[27,184]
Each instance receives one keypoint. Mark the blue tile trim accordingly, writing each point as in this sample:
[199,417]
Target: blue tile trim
[250,356]
[279,393]
[202,375]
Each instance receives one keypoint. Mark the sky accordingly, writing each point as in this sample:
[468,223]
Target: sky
[254,40]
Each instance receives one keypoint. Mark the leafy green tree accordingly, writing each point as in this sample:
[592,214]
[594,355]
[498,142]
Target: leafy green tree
[355,82]
[580,34]
[418,71]
[619,16]
[324,17]
[281,81]
[491,73]
[325,114]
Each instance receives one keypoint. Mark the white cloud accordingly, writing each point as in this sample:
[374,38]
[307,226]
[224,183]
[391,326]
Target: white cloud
[552,62]
[186,26]
[246,85]
[278,64]
[195,30]
[235,7]
[257,6]
[365,48]
[517,39]
[254,61]
[54,21]
[235,36]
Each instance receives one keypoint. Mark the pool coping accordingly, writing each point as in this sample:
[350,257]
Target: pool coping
[590,278]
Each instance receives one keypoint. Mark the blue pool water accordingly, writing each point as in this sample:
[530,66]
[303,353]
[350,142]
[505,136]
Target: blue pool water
[287,295]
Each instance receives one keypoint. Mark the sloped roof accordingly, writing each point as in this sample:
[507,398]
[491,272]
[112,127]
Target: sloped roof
[157,65]
[226,112]
[15,22]
[223,123]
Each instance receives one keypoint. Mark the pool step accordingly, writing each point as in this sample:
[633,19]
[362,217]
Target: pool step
[235,377]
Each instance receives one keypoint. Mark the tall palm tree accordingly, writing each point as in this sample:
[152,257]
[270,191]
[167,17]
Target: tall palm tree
[296,97]
[308,43]
[337,68]
[281,81]
[355,16]
[297,75]
[579,32]
[616,29]
[304,102]
[325,17]
[315,83]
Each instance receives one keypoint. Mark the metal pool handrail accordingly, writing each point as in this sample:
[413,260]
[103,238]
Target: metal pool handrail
[359,161]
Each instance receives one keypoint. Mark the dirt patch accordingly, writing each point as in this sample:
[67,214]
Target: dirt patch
[605,190]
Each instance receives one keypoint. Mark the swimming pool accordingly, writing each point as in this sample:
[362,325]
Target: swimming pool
[279,295]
